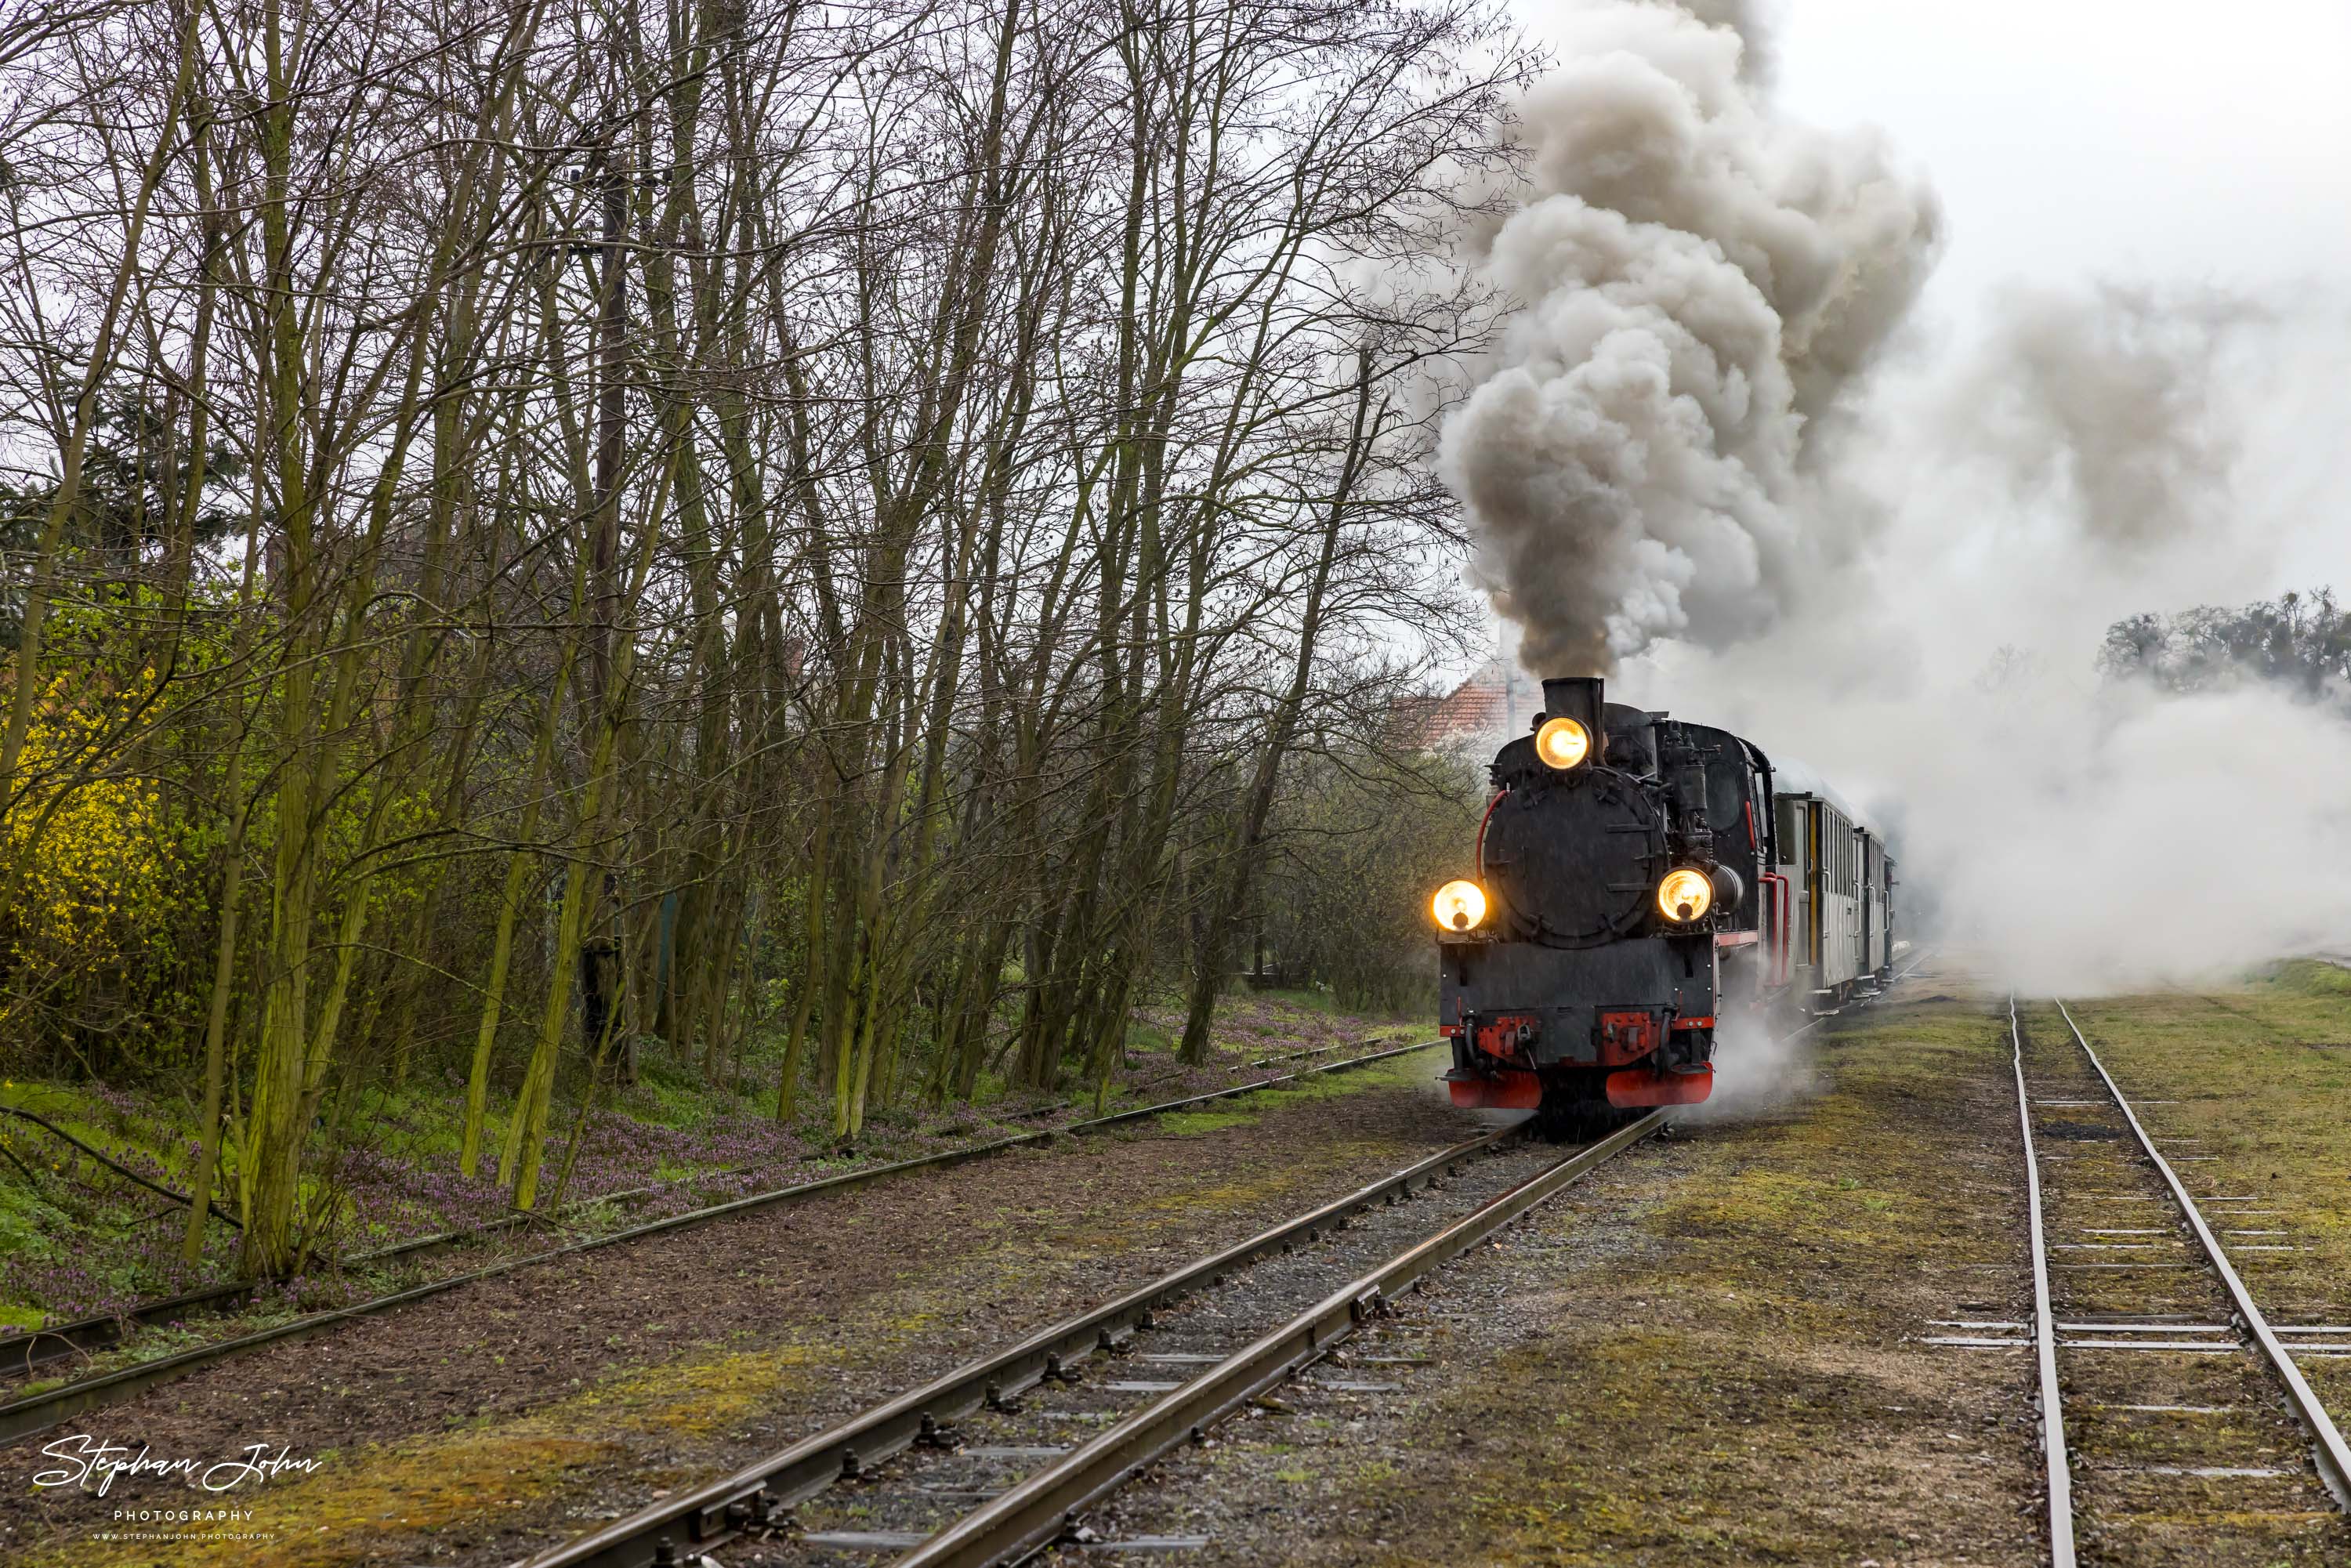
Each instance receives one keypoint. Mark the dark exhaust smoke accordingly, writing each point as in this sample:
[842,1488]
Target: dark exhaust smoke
[1698,282]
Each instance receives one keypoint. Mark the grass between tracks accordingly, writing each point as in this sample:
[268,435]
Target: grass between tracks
[2260,1077]
[1694,1401]
[1412,1069]
[1707,1352]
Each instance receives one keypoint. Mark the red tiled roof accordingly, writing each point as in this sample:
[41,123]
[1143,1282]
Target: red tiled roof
[1490,706]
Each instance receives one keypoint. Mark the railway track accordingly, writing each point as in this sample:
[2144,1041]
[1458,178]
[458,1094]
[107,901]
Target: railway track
[27,1355]
[24,1356]
[1001,1459]
[2167,1397]
[1003,1456]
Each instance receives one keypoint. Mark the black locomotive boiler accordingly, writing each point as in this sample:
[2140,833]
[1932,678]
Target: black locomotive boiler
[1638,879]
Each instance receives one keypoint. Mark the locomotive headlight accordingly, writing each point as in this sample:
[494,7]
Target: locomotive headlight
[1459,906]
[1562,743]
[1685,895]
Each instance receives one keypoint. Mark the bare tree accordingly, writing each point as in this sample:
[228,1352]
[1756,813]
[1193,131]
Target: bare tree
[814,537]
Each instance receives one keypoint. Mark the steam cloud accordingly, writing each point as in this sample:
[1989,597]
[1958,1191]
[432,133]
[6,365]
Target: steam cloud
[1757,1071]
[1744,18]
[2151,839]
[2104,401]
[2105,451]
[1699,282]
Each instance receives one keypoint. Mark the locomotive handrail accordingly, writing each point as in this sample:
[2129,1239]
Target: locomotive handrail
[1783,950]
[1481,831]
[1787,930]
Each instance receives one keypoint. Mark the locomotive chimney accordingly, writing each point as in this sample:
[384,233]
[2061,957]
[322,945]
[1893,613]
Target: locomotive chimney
[1583,698]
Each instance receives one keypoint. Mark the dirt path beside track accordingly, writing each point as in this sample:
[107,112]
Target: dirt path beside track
[516,1412]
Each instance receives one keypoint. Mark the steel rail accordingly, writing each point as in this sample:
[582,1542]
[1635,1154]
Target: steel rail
[698,1520]
[1037,1511]
[34,1413]
[1280,1057]
[2333,1458]
[2045,1325]
[25,1353]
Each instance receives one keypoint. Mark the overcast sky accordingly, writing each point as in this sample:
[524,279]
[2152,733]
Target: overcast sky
[2152,138]
[2142,140]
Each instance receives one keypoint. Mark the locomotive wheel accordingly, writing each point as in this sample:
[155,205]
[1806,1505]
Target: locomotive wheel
[1576,1107]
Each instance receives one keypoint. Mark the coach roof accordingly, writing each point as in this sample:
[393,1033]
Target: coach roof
[1793,777]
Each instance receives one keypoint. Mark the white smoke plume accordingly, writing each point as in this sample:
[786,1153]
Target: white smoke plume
[2068,831]
[1760,1066]
[2144,839]
[1744,17]
[2103,401]
[1699,282]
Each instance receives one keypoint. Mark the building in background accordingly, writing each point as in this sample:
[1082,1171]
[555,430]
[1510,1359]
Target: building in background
[1493,705]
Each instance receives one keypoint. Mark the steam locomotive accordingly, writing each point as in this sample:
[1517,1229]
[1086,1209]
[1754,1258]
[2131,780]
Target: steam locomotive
[1640,879]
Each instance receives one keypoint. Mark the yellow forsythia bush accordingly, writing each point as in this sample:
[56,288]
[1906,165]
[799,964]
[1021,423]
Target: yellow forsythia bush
[80,850]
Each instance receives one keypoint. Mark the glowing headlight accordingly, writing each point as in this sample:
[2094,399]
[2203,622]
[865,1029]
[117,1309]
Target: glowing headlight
[1685,894]
[1562,743]
[1459,906]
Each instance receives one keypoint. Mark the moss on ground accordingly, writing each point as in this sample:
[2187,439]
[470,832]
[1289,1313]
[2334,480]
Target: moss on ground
[1711,1349]
[1769,1333]
[1413,1069]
